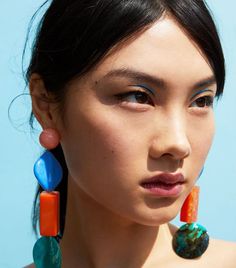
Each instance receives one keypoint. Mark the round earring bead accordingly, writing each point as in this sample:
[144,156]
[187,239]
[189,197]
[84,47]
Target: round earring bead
[190,241]
[47,253]
[49,138]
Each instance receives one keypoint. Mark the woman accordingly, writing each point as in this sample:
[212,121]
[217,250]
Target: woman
[127,89]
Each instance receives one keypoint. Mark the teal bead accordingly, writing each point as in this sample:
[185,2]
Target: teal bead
[190,241]
[47,253]
[48,171]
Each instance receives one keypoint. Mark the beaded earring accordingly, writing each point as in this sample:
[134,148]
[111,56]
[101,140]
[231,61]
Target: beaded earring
[191,239]
[48,171]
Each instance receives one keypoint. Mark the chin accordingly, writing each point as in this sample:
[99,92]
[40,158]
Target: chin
[157,213]
[156,217]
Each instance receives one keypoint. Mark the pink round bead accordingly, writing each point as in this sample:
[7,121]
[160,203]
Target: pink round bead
[49,138]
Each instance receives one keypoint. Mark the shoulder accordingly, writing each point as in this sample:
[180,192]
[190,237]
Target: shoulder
[221,253]
[221,246]
[30,266]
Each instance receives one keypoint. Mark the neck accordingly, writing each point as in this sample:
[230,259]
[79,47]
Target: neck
[95,238]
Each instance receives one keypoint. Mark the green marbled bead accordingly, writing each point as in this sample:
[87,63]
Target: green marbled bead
[190,241]
[47,253]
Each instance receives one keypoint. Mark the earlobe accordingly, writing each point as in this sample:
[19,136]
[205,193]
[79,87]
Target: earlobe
[40,101]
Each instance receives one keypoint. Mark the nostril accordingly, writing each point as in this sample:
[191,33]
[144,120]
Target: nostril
[173,151]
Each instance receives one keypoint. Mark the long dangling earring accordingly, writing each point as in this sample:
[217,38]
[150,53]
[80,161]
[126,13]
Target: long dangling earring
[191,240]
[48,171]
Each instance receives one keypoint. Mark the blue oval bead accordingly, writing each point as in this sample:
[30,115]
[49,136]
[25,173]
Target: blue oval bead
[48,171]
[47,253]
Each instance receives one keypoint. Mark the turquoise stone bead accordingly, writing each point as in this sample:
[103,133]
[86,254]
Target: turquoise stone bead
[48,171]
[47,253]
[190,241]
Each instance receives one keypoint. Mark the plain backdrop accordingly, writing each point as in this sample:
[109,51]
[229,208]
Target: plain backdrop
[20,148]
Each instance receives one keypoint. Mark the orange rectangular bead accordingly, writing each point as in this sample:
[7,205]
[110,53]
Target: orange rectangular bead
[49,213]
[189,209]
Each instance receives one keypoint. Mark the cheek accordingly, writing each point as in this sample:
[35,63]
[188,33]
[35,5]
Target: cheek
[105,158]
[101,148]
[202,135]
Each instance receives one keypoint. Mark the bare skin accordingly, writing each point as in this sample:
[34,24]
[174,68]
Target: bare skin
[111,144]
[219,254]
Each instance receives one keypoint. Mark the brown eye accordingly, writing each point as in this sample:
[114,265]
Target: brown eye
[136,97]
[202,102]
[141,97]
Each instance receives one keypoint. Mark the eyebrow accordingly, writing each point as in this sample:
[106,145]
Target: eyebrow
[138,76]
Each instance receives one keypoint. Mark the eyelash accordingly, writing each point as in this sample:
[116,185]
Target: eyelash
[122,96]
[209,100]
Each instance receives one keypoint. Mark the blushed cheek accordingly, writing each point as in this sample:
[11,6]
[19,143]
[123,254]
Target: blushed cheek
[102,164]
[202,143]
[116,146]
[209,135]
[99,148]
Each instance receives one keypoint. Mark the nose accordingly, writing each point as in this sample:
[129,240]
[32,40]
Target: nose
[171,140]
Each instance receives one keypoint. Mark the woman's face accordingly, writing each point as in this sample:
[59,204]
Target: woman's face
[144,111]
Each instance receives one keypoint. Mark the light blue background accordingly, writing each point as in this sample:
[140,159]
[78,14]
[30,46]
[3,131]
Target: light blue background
[19,149]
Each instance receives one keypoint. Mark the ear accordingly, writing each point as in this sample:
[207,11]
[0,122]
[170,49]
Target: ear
[41,102]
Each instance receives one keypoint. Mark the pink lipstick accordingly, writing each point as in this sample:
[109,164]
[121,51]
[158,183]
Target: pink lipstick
[164,184]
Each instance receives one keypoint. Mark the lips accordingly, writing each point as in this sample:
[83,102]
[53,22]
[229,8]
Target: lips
[164,185]
[163,179]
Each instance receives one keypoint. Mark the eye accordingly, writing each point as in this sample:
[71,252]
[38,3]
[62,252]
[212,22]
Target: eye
[203,102]
[137,96]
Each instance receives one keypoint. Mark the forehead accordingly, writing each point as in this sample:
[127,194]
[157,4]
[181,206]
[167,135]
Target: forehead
[164,50]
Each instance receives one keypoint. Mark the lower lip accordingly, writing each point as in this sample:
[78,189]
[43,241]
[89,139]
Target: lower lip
[164,190]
